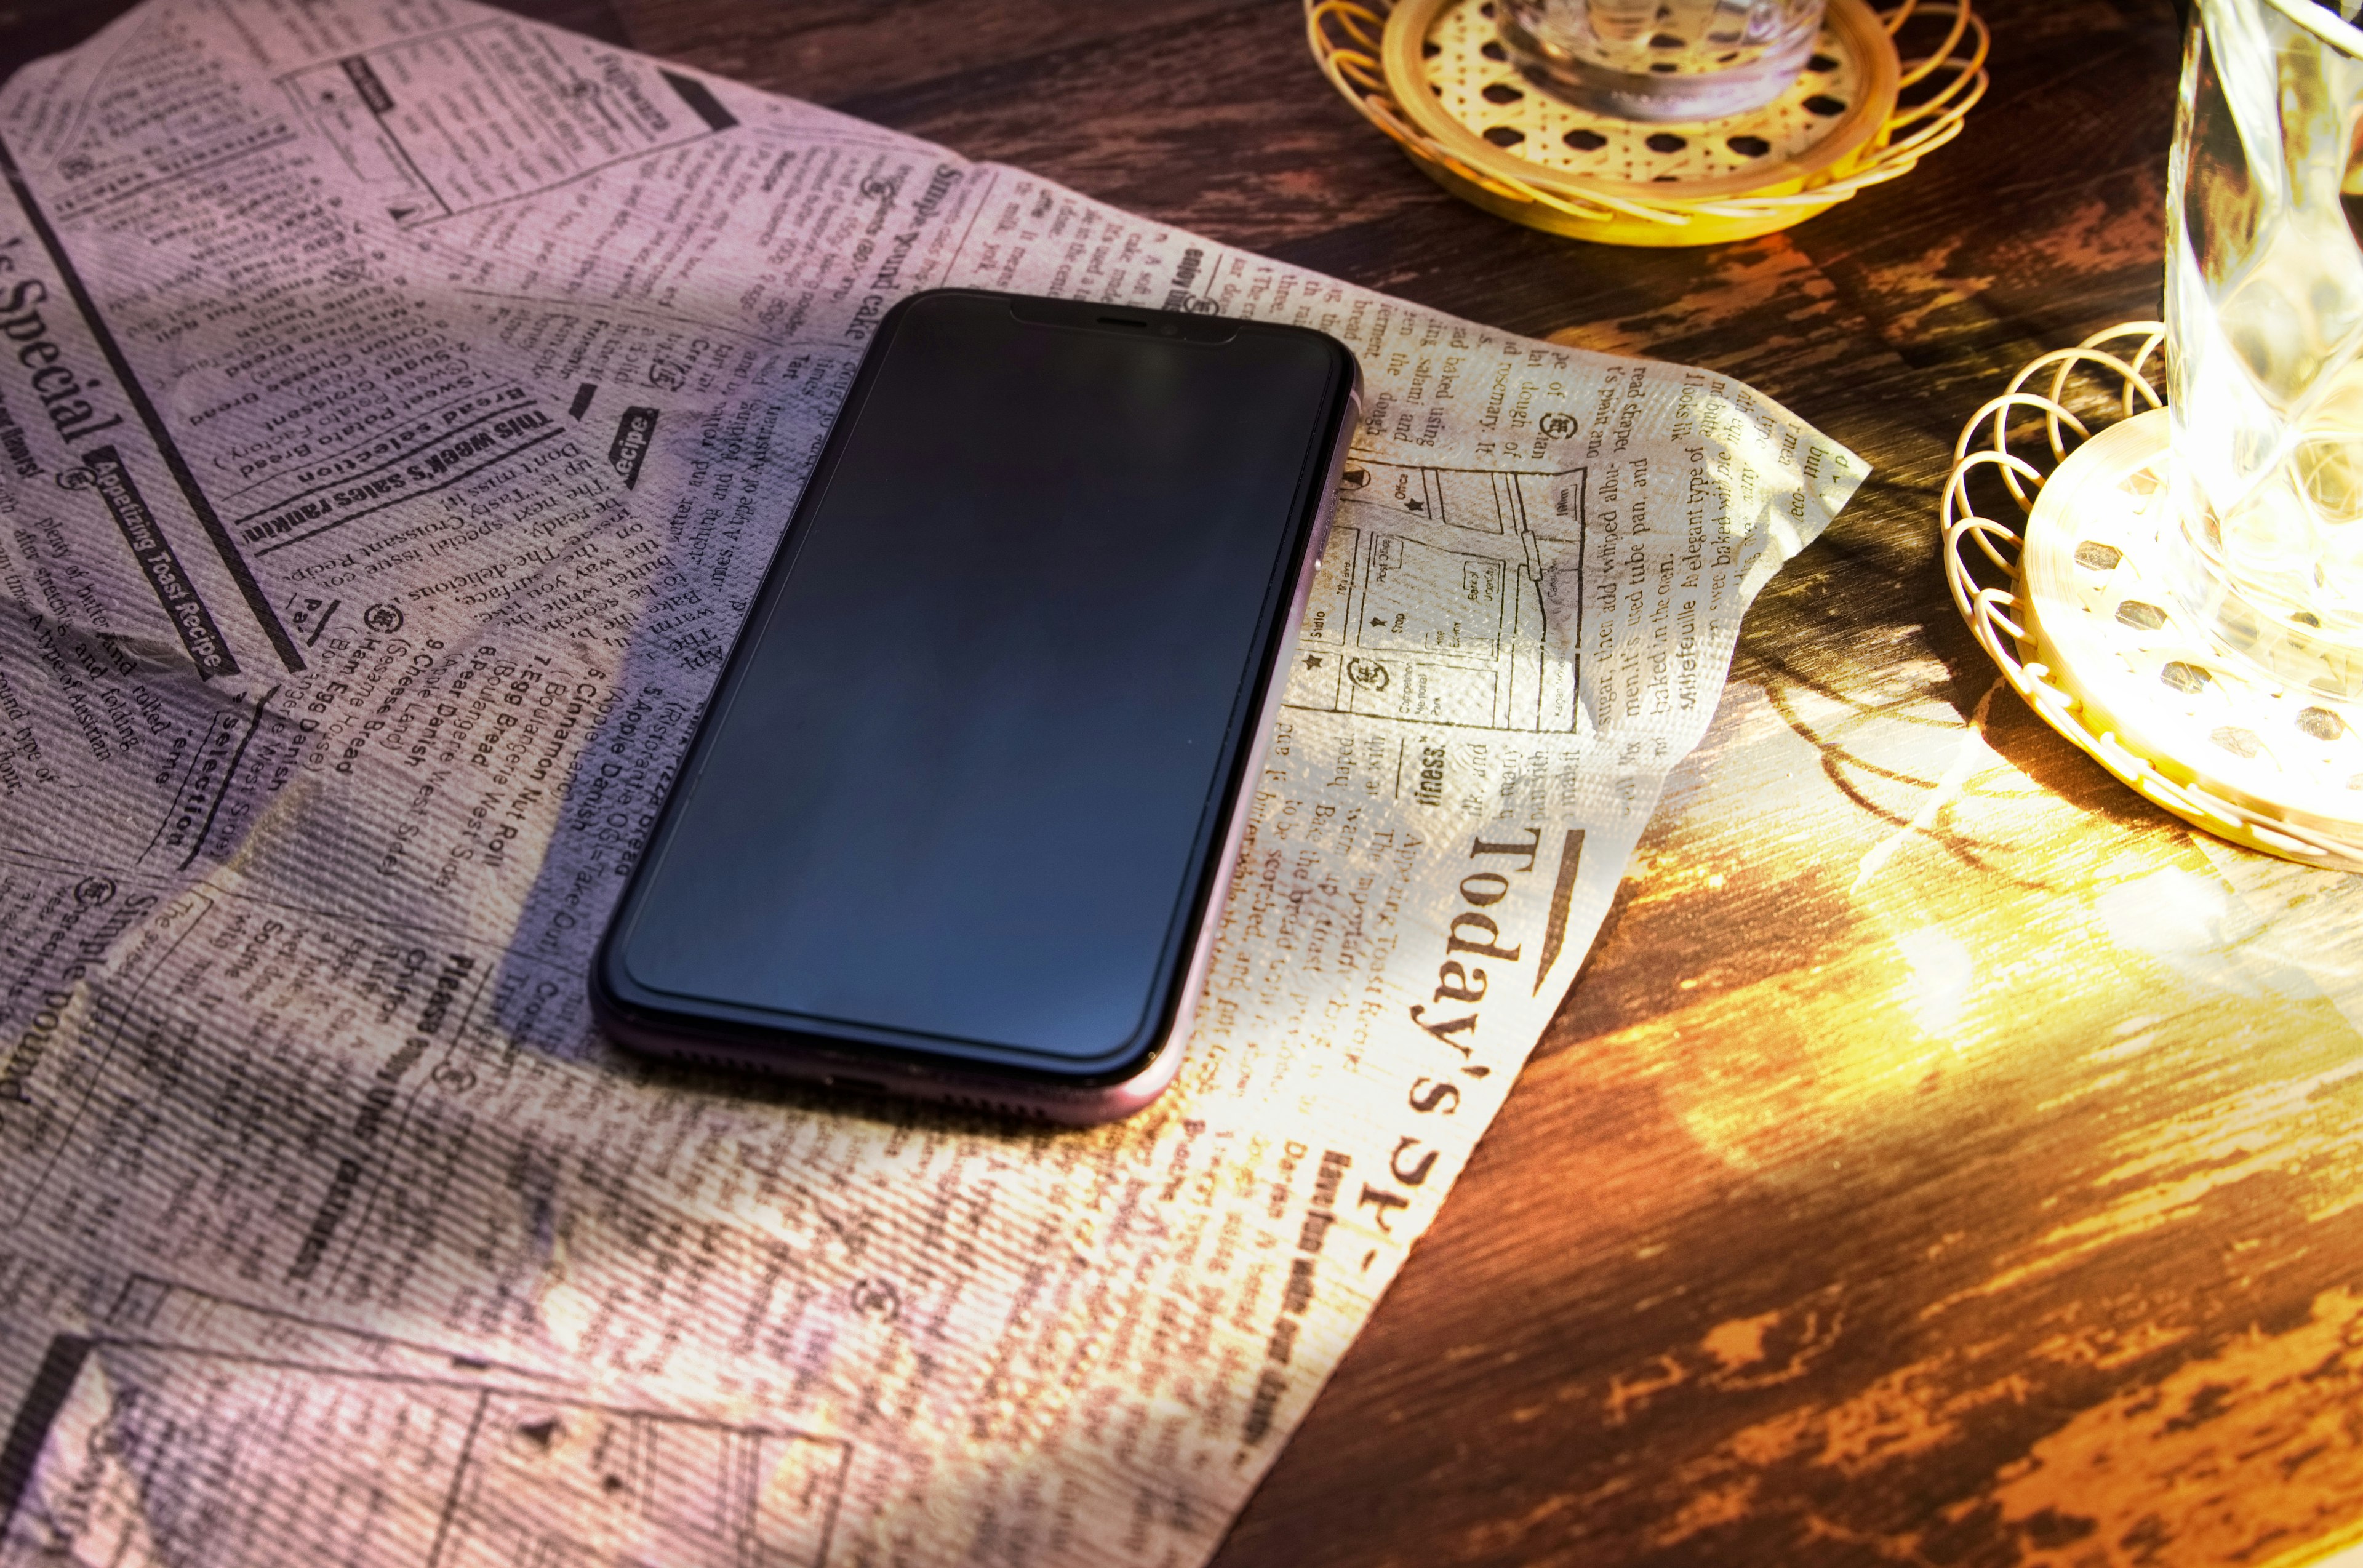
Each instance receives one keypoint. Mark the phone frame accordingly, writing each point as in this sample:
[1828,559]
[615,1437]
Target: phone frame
[904,1063]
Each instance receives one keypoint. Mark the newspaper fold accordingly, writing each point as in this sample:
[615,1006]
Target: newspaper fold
[398,405]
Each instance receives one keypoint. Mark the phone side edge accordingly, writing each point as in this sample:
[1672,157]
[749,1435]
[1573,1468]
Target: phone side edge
[1124,1098]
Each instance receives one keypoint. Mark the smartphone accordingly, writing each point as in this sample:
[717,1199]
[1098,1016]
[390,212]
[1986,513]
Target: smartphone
[958,819]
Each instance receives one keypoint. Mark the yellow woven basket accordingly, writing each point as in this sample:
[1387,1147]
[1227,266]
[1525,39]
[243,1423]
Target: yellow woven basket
[2253,795]
[1430,75]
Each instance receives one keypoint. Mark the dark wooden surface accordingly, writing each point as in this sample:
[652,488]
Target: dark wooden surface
[1943,1158]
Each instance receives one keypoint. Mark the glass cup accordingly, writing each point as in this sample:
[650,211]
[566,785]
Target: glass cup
[2264,293]
[1662,60]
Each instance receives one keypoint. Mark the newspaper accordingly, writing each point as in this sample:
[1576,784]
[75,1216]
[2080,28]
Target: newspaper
[399,403]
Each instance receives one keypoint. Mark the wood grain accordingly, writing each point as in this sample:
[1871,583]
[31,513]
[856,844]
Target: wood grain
[1944,1156]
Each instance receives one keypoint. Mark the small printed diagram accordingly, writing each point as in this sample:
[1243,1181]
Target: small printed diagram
[142,1454]
[1448,595]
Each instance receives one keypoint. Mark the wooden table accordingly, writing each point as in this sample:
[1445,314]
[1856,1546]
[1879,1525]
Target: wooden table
[1944,1156]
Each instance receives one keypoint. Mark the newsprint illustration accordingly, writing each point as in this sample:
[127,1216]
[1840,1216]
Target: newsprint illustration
[1450,595]
[400,402]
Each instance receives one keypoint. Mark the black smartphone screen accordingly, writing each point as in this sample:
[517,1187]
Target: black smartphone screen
[961,778]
